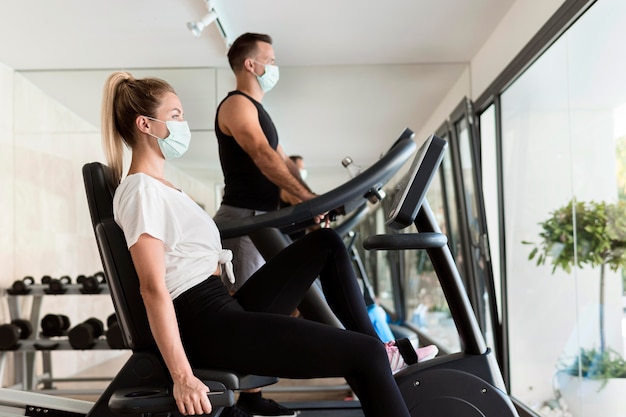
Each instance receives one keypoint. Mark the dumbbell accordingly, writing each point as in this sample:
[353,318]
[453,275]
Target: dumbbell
[56,286]
[84,335]
[54,325]
[115,340]
[100,275]
[10,334]
[91,285]
[20,287]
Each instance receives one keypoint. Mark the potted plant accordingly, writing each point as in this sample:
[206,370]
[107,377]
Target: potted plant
[586,233]
[593,234]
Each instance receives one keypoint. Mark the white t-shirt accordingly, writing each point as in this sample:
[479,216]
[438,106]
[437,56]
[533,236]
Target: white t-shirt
[192,243]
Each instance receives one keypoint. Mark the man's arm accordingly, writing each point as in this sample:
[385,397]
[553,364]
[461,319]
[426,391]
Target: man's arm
[238,117]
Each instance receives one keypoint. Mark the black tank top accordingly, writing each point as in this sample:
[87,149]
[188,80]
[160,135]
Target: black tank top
[244,184]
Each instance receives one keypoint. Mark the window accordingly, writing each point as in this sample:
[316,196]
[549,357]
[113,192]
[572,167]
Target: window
[561,140]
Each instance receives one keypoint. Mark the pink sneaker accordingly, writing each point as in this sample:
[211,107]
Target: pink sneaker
[426,353]
[397,360]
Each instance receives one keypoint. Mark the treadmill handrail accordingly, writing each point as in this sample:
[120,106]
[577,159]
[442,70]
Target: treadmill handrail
[353,191]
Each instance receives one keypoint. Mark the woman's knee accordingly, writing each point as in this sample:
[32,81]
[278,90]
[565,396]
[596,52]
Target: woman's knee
[328,238]
[374,355]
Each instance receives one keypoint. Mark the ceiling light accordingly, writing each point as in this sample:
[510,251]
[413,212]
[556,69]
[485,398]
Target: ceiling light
[198,26]
[212,16]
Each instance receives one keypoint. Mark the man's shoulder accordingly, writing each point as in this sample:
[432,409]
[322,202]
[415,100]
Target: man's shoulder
[238,100]
[236,108]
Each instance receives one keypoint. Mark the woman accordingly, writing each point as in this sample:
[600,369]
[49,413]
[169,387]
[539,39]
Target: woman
[176,250]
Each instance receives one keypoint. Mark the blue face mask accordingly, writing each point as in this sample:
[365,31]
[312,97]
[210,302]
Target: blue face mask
[268,80]
[178,140]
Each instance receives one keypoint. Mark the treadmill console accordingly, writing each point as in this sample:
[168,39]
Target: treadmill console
[411,190]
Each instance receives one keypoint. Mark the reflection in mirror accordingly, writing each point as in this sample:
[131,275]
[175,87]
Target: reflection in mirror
[466,158]
[451,210]
[489,173]
[467,172]
[384,271]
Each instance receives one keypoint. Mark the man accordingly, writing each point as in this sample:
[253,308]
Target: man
[254,164]
[255,167]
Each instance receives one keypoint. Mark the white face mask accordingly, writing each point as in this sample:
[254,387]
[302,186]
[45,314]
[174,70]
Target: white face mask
[303,173]
[177,141]
[270,77]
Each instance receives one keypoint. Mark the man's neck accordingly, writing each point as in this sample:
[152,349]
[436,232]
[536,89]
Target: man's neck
[251,87]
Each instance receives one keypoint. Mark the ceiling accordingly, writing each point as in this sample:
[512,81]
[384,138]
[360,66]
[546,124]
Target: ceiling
[61,37]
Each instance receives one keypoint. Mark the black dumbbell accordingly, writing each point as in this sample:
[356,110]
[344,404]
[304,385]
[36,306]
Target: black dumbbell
[10,334]
[90,285]
[100,275]
[20,287]
[111,320]
[84,335]
[56,286]
[54,325]
[115,340]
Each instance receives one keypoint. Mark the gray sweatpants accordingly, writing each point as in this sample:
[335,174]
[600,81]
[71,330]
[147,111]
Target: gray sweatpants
[246,258]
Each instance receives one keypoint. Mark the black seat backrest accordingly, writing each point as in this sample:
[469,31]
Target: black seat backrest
[121,276]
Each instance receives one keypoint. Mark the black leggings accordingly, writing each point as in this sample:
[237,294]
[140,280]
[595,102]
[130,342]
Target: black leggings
[254,333]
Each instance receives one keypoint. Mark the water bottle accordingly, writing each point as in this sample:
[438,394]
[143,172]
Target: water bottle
[374,195]
[353,169]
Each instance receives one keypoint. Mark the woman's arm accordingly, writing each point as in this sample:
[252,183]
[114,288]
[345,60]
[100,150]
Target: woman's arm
[190,393]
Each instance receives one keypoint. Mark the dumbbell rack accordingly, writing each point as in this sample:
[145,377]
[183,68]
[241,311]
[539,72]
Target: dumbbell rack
[25,356]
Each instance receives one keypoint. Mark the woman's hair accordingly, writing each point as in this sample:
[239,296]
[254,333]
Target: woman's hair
[244,47]
[124,98]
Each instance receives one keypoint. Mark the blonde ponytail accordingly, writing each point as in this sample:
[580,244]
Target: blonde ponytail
[112,141]
[124,99]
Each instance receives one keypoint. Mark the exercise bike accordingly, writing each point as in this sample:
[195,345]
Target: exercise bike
[465,384]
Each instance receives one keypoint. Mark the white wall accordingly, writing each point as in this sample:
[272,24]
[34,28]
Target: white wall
[520,24]
[7,219]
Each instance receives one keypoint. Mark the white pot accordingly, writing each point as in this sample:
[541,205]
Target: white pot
[587,398]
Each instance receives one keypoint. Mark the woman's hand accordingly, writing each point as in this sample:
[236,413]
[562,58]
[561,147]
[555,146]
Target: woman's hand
[191,396]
